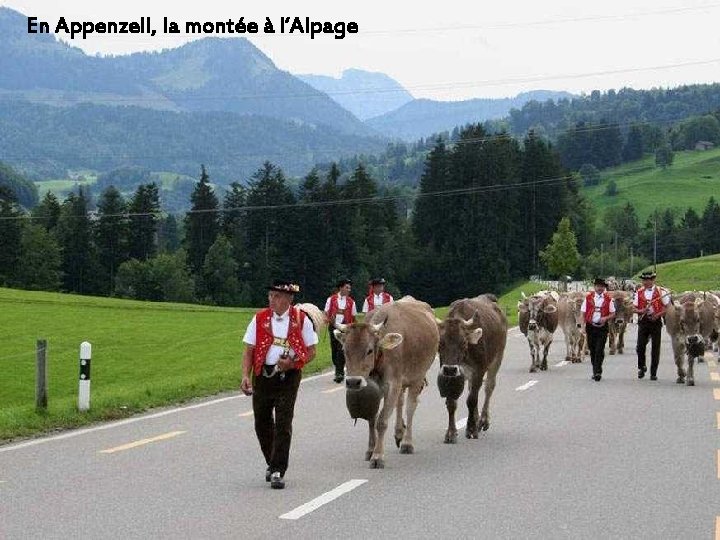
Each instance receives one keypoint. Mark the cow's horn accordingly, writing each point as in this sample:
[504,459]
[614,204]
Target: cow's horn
[522,293]
[341,327]
[469,322]
[377,327]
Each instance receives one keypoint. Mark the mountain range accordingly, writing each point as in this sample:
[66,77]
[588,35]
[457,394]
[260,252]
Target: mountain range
[218,101]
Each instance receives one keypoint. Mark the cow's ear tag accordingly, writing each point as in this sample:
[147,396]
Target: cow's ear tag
[475,336]
[390,341]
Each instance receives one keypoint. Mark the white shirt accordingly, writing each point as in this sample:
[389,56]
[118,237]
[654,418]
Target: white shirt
[279,325]
[599,299]
[378,299]
[342,301]
[664,298]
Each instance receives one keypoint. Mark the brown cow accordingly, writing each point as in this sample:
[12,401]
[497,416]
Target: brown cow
[682,322]
[472,344]
[538,320]
[572,323]
[396,344]
[623,315]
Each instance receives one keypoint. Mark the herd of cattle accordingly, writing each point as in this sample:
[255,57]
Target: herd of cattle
[389,354]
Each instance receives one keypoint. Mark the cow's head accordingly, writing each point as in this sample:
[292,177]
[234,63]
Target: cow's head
[363,345]
[578,315]
[456,336]
[536,307]
[623,310]
[689,321]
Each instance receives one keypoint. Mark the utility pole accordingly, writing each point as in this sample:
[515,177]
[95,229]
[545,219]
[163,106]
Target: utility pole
[631,262]
[616,254]
[602,260]
[655,243]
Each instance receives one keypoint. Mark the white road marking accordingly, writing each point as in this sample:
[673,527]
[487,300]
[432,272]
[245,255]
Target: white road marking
[323,499]
[246,414]
[461,423]
[525,386]
[333,390]
[142,442]
[561,364]
[71,434]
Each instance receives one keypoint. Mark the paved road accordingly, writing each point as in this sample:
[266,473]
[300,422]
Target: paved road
[565,457]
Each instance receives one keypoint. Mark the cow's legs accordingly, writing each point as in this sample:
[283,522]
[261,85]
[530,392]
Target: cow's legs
[451,433]
[621,341]
[611,341]
[377,460]
[372,437]
[489,388]
[533,356]
[569,353]
[679,353]
[399,422]
[406,447]
[691,371]
[546,349]
[471,428]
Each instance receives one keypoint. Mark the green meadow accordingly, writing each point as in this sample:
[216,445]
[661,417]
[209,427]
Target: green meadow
[701,274]
[691,180]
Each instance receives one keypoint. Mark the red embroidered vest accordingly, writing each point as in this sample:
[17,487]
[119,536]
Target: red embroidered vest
[590,306]
[656,301]
[264,337]
[371,300]
[347,312]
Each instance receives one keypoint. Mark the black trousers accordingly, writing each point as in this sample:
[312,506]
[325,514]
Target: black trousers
[596,339]
[274,431]
[338,355]
[649,331]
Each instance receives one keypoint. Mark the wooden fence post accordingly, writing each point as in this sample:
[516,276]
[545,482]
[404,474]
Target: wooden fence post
[41,389]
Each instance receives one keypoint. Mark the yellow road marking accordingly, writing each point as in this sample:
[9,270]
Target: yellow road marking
[714,376]
[718,463]
[142,442]
[245,414]
[718,419]
[333,390]
[716,393]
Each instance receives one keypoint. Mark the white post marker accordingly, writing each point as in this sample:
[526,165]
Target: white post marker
[84,390]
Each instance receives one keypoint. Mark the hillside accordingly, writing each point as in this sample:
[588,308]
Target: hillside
[701,274]
[423,117]
[363,93]
[211,74]
[46,142]
[693,178]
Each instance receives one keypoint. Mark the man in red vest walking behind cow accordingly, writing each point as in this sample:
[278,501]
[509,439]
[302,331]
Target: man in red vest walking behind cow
[340,308]
[649,302]
[279,341]
[598,308]
[377,295]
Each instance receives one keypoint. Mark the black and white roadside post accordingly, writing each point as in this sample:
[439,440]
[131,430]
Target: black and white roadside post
[84,390]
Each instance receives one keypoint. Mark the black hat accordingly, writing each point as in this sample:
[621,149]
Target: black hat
[344,281]
[600,281]
[280,285]
[377,281]
[648,275]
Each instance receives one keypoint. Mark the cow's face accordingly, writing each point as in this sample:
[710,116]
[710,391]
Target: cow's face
[623,306]
[363,346]
[690,322]
[535,307]
[456,335]
[578,315]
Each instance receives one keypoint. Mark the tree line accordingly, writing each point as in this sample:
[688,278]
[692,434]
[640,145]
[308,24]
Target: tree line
[487,208]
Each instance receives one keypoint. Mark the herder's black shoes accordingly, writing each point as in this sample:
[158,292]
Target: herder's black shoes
[277,481]
[641,373]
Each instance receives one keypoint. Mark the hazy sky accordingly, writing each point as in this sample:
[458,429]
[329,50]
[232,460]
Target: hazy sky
[453,50]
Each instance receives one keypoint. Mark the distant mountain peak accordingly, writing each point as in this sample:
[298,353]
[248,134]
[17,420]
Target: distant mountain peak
[364,93]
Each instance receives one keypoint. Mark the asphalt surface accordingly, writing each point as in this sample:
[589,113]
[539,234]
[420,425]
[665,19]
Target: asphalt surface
[565,457]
